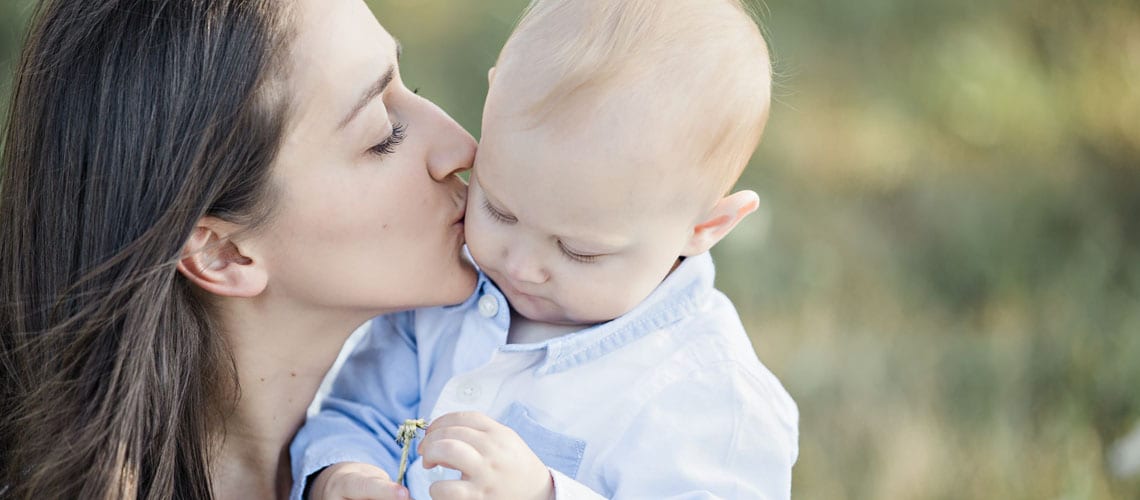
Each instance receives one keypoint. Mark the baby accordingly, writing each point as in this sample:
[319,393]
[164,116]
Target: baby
[595,358]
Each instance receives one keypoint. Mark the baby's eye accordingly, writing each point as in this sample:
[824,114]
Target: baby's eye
[497,215]
[577,257]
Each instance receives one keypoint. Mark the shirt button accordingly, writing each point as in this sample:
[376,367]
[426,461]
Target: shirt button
[488,306]
[469,393]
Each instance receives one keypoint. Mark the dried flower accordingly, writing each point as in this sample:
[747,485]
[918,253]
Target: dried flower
[404,436]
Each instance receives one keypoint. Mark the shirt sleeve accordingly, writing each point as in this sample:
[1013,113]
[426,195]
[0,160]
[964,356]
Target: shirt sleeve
[374,392]
[566,488]
[720,432]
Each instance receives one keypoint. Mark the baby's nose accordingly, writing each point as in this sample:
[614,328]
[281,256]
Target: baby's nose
[525,269]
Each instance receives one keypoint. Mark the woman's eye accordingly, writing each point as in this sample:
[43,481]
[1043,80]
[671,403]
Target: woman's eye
[497,215]
[388,146]
[575,256]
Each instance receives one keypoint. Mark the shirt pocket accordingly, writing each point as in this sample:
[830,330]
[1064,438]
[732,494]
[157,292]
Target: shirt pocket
[558,451]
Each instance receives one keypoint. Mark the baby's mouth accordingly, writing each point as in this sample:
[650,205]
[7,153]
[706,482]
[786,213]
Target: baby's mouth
[514,290]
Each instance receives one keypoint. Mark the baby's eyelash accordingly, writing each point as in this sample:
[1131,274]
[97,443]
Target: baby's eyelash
[498,216]
[585,259]
[388,146]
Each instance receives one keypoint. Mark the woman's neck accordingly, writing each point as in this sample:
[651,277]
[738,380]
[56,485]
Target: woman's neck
[281,358]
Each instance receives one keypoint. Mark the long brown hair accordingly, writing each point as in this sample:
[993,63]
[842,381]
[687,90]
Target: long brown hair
[130,120]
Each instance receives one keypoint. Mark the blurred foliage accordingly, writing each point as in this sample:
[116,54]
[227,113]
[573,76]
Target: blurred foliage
[946,275]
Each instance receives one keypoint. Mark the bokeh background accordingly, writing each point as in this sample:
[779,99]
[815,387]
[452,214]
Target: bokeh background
[946,273]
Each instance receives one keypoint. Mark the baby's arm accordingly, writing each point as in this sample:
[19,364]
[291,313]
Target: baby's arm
[375,391]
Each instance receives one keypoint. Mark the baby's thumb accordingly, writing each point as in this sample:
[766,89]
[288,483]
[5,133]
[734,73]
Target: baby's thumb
[358,487]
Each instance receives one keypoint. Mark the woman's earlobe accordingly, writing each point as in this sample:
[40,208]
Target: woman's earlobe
[217,265]
[721,220]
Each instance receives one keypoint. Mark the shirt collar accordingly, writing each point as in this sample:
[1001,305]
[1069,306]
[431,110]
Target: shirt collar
[484,286]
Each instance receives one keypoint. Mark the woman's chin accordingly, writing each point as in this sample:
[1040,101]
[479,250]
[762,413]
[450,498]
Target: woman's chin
[462,282]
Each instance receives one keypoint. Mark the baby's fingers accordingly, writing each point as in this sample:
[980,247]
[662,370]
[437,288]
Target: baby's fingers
[453,490]
[371,488]
[355,481]
[476,438]
[453,454]
[473,419]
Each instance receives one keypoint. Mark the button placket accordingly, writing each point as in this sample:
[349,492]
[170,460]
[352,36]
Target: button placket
[468,392]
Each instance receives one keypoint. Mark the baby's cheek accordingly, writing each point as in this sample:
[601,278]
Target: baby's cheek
[480,240]
[473,237]
[600,300]
[634,290]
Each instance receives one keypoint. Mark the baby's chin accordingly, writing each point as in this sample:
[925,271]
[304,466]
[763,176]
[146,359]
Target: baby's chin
[545,311]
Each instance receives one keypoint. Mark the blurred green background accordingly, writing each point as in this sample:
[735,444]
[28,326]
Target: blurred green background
[946,275]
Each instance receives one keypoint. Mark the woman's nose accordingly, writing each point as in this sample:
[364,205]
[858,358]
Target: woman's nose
[452,150]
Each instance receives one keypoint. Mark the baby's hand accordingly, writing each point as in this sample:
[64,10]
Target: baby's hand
[355,481]
[494,460]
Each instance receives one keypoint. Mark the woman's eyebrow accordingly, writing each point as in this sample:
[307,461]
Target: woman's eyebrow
[370,93]
[376,89]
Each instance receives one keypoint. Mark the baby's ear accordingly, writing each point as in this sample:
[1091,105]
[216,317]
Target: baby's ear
[720,221]
[211,260]
[491,76]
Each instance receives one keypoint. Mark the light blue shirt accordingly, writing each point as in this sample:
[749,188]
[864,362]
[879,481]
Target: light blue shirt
[667,401]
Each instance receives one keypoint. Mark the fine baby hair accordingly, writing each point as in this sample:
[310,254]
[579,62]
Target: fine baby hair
[701,63]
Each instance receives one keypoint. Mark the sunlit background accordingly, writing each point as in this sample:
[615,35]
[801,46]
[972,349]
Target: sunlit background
[946,274]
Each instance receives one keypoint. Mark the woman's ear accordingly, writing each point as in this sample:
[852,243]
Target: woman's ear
[723,217]
[216,264]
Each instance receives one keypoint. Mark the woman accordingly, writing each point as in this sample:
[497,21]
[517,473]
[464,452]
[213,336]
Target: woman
[200,200]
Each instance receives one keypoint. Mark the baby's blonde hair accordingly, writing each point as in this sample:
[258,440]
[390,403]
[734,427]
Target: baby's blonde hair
[682,58]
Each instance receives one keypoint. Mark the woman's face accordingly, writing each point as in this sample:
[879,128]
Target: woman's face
[368,212]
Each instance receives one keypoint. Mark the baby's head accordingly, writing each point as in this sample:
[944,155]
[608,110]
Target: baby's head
[611,134]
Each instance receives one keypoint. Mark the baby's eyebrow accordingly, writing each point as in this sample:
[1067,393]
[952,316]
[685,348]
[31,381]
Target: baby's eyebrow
[582,240]
[604,245]
[594,242]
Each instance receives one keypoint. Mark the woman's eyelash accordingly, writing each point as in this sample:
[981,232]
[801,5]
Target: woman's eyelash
[585,259]
[495,214]
[388,146]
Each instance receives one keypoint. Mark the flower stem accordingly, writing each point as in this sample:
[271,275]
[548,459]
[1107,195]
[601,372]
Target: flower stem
[404,436]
